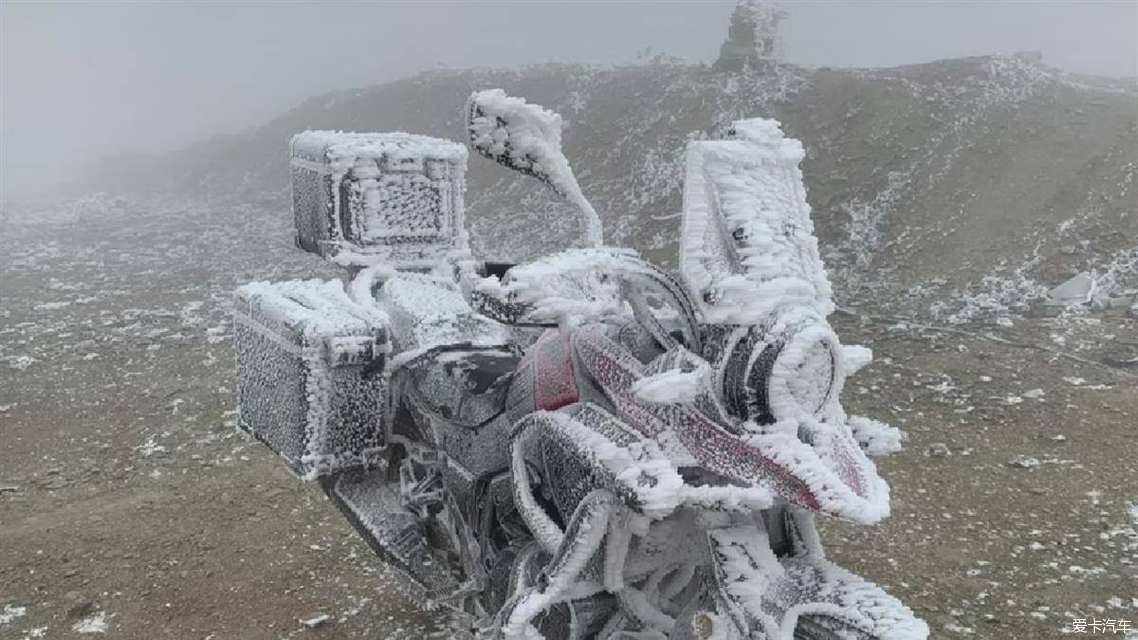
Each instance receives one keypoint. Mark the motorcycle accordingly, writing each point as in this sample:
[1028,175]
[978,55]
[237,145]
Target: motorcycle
[584,445]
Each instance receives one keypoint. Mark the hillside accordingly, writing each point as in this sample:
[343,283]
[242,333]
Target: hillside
[949,191]
[955,189]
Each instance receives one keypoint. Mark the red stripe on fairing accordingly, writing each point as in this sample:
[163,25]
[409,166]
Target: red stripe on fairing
[555,384]
[729,456]
[845,454]
[716,450]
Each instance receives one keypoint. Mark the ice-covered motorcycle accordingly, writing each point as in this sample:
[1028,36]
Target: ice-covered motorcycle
[582,446]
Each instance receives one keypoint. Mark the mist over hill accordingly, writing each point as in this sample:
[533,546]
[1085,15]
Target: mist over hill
[949,199]
[961,189]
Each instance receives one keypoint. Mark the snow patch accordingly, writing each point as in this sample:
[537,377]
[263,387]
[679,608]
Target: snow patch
[95,623]
[11,613]
[315,621]
[20,363]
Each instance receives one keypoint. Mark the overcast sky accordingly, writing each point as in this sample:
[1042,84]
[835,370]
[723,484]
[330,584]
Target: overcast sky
[79,80]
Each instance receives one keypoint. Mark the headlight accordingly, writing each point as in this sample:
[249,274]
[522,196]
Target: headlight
[770,374]
[802,378]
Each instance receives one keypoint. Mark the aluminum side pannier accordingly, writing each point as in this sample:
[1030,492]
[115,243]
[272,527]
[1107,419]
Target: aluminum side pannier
[310,364]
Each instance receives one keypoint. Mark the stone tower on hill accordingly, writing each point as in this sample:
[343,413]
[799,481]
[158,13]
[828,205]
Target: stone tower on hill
[753,37]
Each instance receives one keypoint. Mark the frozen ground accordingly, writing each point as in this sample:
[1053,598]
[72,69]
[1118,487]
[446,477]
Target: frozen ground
[129,506]
[128,503]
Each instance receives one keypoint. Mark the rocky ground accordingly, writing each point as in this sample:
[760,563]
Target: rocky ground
[130,507]
[1015,501]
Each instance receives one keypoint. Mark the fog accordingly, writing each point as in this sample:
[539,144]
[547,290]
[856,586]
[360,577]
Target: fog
[80,81]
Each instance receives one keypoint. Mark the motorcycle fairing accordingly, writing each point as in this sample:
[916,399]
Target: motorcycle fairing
[590,447]
[602,469]
[832,477]
[555,384]
[773,598]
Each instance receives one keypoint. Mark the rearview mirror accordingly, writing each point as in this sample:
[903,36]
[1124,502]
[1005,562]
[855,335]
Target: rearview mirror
[527,138]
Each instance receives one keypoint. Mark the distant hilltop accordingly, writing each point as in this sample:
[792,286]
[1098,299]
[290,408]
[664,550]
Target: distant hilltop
[753,36]
[988,178]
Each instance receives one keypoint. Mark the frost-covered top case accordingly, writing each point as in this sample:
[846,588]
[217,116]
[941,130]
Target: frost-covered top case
[366,198]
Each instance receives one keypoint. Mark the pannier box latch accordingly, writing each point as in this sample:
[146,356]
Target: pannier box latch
[344,351]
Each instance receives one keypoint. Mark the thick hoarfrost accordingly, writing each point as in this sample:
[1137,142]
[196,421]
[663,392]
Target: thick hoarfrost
[877,438]
[747,245]
[779,595]
[344,149]
[310,335]
[749,254]
[566,288]
[427,312]
[856,357]
[527,137]
[673,385]
[321,307]
[619,416]
[361,199]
